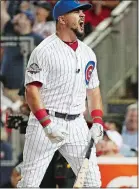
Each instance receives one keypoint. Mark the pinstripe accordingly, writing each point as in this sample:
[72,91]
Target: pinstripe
[77,147]
[27,156]
[32,149]
[30,158]
[63,91]
[68,99]
[38,146]
[50,97]
[39,159]
[74,151]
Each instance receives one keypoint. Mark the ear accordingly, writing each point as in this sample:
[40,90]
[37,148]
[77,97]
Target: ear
[61,20]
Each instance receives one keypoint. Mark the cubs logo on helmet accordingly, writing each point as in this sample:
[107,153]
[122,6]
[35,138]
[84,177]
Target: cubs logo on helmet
[88,71]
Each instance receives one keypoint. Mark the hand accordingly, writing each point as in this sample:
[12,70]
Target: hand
[15,178]
[97,132]
[54,134]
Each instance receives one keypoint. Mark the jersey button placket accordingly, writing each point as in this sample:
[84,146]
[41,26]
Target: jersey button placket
[75,81]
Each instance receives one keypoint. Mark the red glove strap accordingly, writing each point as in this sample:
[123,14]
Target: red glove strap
[42,117]
[97,117]
[96,113]
[98,120]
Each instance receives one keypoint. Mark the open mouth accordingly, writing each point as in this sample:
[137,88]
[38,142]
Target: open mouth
[82,25]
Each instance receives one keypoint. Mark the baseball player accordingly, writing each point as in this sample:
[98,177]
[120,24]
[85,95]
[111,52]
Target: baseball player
[61,72]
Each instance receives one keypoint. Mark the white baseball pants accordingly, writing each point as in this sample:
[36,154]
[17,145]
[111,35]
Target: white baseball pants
[38,152]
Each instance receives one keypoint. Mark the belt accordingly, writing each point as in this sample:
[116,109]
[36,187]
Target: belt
[66,117]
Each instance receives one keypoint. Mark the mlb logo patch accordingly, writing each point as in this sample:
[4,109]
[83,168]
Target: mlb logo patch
[88,71]
[34,68]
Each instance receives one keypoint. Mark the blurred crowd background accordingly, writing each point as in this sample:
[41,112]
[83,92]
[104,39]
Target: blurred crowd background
[29,22]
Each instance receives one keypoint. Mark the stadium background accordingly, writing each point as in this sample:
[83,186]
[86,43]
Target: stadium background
[111,31]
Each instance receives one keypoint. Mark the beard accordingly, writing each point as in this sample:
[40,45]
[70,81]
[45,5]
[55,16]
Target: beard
[77,33]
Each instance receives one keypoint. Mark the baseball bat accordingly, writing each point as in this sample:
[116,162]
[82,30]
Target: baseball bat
[84,168]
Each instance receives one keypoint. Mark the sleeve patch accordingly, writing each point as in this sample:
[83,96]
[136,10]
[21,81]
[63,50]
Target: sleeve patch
[33,68]
[88,71]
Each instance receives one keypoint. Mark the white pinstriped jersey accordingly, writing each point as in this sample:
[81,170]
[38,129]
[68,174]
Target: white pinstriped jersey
[55,65]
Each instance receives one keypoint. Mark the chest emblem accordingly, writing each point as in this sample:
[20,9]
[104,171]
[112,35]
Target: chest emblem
[88,71]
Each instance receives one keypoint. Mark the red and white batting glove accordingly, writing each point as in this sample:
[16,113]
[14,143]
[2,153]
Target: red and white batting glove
[55,135]
[97,127]
[50,128]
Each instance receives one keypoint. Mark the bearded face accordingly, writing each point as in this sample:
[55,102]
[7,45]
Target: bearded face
[75,22]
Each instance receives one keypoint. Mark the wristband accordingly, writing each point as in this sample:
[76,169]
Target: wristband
[98,120]
[43,117]
[96,113]
[97,116]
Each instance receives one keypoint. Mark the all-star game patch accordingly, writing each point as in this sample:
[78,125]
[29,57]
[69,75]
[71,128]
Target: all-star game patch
[88,71]
[34,68]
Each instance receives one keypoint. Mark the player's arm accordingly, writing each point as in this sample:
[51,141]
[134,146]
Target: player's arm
[34,101]
[34,80]
[96,111]
[32,94]
[95,103]
[35,104]
[94,99]
[95,106]
[35,77]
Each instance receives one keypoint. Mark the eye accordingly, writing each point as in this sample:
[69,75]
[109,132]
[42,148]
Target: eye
[76,11]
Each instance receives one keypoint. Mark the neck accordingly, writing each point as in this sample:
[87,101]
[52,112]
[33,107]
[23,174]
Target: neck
[66,35]
[131,131]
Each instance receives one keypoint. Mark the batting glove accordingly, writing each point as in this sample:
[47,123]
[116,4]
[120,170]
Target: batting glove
[49,127]
[97,132]
[55,135]
[97,127]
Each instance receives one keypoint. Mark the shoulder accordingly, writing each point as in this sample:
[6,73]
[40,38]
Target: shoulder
[45,45]
[87,49]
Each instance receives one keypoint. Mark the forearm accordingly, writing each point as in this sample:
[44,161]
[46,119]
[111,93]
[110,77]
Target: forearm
[94,100]
[35,103]
[96,112]
[33,98]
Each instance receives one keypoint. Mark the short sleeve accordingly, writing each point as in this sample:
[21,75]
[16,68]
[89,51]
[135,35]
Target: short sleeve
[93,80]
[37,68]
